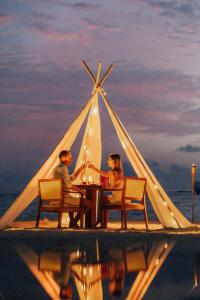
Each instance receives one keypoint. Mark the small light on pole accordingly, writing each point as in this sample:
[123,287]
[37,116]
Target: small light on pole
[193,180]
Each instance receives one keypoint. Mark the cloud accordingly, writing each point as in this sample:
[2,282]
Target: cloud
[189,149]
[4,18]
[84,6]
[41,16]
[175,6]
[95,24]
[60,35]
[156,101]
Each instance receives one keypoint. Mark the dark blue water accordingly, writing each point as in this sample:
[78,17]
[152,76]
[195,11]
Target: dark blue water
[181,199]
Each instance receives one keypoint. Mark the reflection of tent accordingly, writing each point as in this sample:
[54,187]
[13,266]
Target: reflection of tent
[88,282]
[44,277]
[157,255]
[167,213]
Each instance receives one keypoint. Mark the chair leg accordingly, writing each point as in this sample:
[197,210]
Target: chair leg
[104,218]
[122,218]
[59,219]
[38,218]
[125,219]
[81,219]
[146,219]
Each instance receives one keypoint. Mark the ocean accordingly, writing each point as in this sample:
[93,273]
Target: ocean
[182,200]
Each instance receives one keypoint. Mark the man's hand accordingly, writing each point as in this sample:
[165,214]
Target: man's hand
[83,166]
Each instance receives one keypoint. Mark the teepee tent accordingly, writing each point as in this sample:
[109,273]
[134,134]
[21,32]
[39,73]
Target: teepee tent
[91,148]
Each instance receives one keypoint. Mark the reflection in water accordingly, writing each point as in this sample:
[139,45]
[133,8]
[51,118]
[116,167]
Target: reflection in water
[196,269]
[98,272]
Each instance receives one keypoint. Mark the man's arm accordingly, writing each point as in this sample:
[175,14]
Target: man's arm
[77,172]
[67,182]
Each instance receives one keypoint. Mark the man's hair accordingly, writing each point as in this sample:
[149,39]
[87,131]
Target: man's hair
[64,153]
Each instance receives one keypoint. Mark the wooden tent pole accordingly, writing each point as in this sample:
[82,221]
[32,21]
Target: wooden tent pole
[106,75]
[98,73]
[88,71]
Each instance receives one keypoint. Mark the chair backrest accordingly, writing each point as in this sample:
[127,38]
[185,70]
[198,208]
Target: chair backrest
[135,261]
[134,188]
[50,189]
[50,261]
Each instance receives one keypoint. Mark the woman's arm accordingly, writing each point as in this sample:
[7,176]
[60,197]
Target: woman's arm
[101,172]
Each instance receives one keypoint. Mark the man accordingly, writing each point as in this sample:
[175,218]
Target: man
[61,171]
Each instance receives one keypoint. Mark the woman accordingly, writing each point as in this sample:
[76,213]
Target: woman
[115,176]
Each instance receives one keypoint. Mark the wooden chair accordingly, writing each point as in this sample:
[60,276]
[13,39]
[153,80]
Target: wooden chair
[51,199]
[133,199]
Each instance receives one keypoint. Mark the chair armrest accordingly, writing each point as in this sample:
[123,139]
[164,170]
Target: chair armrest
[72,192]
[110,190]
[76,192]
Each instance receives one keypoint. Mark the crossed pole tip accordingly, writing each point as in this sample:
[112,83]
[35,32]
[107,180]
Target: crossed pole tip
[96,81]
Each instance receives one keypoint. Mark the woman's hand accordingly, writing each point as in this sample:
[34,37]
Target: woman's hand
[90,165]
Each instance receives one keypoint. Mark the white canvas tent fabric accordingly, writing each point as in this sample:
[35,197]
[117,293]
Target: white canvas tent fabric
[167,213]
[91,144]
[30,192]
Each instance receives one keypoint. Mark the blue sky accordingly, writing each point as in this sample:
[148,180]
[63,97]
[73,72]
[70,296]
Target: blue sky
[154,86]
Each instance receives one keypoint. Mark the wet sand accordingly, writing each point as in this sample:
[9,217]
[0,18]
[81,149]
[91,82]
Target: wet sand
[114,226]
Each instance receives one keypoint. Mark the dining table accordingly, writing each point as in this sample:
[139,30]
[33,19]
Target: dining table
[92,195]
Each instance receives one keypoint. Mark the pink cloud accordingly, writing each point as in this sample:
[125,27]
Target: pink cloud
[56,35]
[3,19]
[158,87]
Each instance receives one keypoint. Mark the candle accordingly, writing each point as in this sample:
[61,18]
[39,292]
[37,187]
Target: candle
[84,179]
[89,179]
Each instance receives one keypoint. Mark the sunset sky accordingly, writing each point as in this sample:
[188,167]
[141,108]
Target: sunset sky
[154,86]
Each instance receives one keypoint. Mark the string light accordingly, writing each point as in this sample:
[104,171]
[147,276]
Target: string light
[84,271]
[87,151]
[123,145]
[91,271]
[165,203]
[165,246]
[157,261]
[94,111]
[155,186]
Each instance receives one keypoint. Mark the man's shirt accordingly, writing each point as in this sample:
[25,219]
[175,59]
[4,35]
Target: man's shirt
[61,171]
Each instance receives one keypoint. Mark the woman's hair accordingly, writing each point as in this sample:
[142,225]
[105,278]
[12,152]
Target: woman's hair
[118,164]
